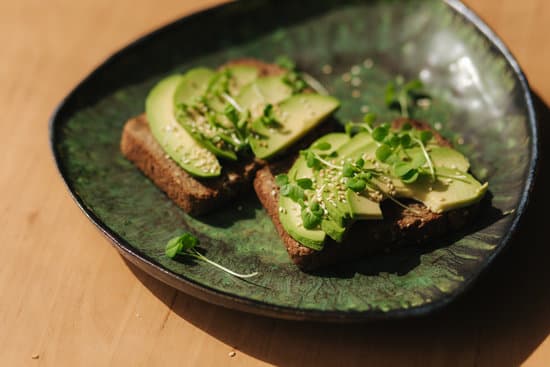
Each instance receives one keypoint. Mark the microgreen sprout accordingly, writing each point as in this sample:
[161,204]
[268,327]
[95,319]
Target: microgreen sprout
[355,127]
[403,96]
[185,245]
[268,117]
[292,78]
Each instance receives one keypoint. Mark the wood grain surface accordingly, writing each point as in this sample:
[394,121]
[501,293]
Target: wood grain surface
[68,299]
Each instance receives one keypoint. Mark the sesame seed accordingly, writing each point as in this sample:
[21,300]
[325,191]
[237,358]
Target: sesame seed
[424,103]
[368,63]
[327,69]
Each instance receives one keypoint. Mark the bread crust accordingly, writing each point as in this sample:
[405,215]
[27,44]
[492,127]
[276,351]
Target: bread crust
[399,227]
[195,196]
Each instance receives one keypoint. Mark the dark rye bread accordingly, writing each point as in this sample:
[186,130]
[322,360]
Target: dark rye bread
[399,227]
[194,195]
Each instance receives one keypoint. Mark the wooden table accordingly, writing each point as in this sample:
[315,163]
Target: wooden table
[68,299]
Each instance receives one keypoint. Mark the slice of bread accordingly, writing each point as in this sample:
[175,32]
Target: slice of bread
[197,195]
[399,226]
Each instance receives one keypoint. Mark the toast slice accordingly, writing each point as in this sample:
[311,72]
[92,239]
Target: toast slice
[399,226]
[198,196]
[195,196]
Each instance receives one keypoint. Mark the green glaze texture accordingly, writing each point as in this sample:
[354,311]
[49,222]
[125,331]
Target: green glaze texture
[354,49]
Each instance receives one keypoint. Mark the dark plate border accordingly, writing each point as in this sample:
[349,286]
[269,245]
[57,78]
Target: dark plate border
[261,308]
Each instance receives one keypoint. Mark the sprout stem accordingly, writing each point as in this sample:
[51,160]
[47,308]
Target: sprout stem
[200,256]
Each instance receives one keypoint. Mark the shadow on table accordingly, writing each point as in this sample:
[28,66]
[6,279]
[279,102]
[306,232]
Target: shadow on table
[499,322]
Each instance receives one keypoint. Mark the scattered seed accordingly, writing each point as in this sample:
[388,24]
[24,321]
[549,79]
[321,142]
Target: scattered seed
[355,70]
[346,77]
[327,69]
[424,103]
[356,93]
[368,63]
[365,109]
[232,354]
[438,125]
[356,82]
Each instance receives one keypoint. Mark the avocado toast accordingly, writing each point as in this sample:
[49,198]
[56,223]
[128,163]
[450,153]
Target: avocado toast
[177,144]
[390,224]
[207,134]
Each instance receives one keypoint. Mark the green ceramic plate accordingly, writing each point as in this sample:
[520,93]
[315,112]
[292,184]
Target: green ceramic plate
[354,48]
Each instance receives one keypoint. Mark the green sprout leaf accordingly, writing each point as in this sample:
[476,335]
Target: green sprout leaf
[405,141]
[184,242]
[401,169]
[383,153]
[414,85]
[425,136]
[231,113]
[348,170]
[410,177]
[322,145]
[285,62]
[309,219]
[380,133]
[369,118]
[312,161]
[173,247]
[293,191]
[268,117]
[305,183]
[281,180]
[185,245]
[357,184]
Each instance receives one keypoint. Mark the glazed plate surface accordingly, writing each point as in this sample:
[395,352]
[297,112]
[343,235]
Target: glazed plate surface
[481,101]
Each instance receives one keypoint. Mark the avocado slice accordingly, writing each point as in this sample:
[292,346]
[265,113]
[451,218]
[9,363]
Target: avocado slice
[290,212]
[261,92]
[445,193]
[193,85]
[241,75]
[336,140]
[296,116]
[356,145]
[333,230]
[361,207]
[446,157]
[172,137]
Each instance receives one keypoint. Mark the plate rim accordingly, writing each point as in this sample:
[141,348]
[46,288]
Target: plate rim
[235,302]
